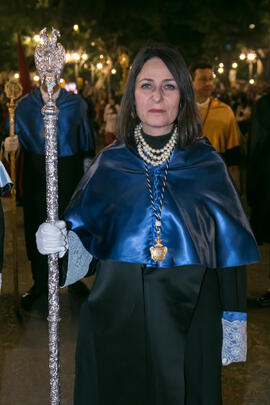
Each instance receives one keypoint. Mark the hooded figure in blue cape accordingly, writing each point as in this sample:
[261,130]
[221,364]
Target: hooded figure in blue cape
[76,143]
[156,332]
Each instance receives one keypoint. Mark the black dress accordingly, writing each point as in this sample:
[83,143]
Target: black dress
[153,336]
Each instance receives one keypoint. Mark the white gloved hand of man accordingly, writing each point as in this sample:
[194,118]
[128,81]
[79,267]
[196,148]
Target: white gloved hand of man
[11,144]
[52,238]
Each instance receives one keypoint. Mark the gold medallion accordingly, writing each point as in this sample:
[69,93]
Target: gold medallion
[158,252]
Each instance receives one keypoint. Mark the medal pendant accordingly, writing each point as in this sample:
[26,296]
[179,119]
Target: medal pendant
[158,251]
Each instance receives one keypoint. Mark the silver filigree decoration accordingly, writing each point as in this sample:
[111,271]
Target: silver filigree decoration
[50,59]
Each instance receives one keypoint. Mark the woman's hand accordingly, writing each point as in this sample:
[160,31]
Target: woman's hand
[52,238]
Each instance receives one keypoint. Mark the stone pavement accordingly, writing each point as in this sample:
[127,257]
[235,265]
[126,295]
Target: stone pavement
[24,344]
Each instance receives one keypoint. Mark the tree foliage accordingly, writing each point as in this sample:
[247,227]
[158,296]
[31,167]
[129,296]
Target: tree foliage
[213,29]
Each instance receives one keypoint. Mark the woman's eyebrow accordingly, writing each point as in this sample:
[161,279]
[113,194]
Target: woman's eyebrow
[151,80]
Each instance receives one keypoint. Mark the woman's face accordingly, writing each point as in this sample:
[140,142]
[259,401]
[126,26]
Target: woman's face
[157,97]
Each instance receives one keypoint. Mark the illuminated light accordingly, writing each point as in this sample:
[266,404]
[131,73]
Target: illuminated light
[221,65]
[220,70]
[251,56]
[36,38]
[93,43]
[113,71]
[27,40]
[68,57]
[251,81]
[84,56]
[99,66]
[252,26]
[76,56]
[242,56]
[214,75]
[62,81]
[36,78]
[76,27]
[108,61]
[16,76]
[235,65]
[101,56]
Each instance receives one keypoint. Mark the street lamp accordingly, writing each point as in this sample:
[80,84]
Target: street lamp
[124,62]
[251,56]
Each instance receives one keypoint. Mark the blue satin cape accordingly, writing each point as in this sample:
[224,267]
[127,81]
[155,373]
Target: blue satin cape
[5,182]
[202,218]
[74,134]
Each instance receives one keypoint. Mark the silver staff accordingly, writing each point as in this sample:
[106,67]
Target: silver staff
[50,60]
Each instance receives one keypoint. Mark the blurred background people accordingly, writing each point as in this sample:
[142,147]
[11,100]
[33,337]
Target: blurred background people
[219,123]
[258,177]
[110,114]
[76,146]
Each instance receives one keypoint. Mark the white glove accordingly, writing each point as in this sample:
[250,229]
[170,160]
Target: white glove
[52,238]
[11,143]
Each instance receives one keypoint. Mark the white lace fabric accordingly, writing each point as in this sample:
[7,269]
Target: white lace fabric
[234,347]
[78,259]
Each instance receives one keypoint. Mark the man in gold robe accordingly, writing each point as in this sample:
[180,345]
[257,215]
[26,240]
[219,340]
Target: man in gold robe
[219,123]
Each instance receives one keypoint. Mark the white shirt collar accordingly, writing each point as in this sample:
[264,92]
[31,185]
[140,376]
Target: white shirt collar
[205,104]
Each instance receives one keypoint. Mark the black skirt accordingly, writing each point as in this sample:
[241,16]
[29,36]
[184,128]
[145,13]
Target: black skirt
[150,337]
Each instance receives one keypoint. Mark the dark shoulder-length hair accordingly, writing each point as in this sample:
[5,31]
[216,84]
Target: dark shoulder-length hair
[188,119]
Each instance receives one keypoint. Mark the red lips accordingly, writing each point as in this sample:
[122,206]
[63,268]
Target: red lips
[153,110]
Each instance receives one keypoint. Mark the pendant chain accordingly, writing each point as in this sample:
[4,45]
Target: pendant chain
[156,157]
[157,213]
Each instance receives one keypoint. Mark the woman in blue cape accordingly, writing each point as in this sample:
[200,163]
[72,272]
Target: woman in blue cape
[158,219]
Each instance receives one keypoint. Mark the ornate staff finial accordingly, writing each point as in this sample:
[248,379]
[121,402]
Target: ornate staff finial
[13,89]
[49,59]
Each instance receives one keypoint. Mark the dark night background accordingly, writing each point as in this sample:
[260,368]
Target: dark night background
[215,30]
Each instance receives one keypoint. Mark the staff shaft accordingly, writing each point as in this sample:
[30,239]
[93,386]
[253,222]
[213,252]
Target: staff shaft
[50,113]
[11,110]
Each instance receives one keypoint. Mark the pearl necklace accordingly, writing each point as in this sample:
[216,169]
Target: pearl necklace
[155,157]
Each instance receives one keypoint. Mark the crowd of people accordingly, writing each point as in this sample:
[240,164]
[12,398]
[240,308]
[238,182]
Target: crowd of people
[157,217]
